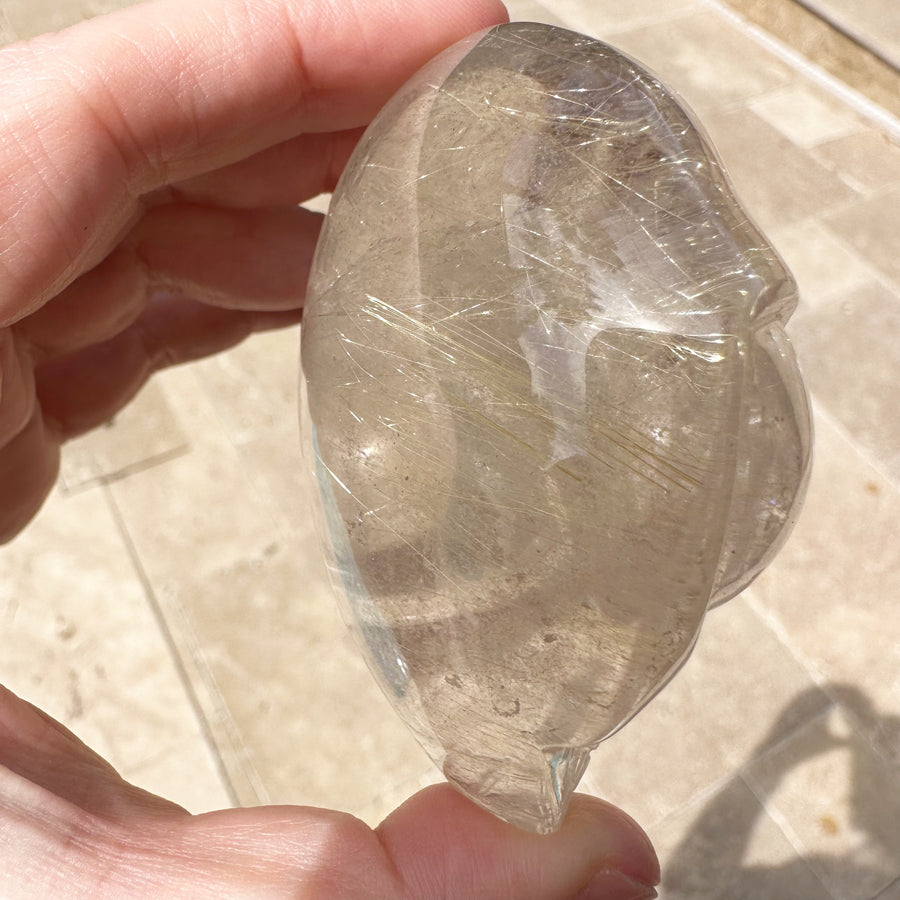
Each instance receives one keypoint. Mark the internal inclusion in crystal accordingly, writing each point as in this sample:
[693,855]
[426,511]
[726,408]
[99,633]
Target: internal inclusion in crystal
[552,410]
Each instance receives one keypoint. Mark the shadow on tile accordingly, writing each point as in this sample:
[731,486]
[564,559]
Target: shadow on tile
[732,848]
[829,786]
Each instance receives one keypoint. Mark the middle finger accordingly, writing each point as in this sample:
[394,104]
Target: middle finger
[241,259]
[291,172]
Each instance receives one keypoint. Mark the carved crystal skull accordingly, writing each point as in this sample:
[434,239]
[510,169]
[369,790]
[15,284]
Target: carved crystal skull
[552,410]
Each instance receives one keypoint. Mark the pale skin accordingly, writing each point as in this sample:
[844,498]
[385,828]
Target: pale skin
[152,161]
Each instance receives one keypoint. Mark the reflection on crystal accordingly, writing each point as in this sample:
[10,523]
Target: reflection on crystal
[551,407]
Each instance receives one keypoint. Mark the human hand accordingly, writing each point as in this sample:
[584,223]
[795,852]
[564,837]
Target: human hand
[152,164]
[72,828]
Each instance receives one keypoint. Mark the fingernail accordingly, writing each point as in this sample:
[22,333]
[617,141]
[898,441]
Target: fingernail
[615,886]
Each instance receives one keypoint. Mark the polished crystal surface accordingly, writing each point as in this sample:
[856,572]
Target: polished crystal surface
[551,407]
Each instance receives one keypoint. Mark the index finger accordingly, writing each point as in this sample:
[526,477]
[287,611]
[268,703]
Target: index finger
[102,113]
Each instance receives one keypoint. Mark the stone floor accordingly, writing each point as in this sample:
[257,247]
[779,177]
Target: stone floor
[169,604]
[875,24]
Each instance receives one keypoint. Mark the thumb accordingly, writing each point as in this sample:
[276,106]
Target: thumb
[443,845]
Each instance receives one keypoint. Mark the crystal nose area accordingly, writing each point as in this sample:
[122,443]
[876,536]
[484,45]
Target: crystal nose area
[528,787]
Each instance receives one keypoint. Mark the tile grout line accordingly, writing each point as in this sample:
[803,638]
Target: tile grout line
[887,887]
[163,625]
[139,465]
[868,109]
[774,624]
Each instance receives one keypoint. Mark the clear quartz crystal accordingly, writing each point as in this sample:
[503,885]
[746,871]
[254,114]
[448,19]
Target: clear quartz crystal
[552,411]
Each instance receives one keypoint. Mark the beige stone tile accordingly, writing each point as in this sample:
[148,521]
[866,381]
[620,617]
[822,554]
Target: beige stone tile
[725,845]
[867,161]
[704,58]
[778,182]
[194,519]
[737,690]
[839,801]
[278,470]
[532,11]
[253,390]
[200,512]
[81,642]
[239,573]
[602,18]
[832,591]
[312,725]
[377,810]
[795,25]
[26,18]
[253,387]
[825,268]
[656,763]
[872,227]
[143,434]
[752,687]
[850,353]
[806,115]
